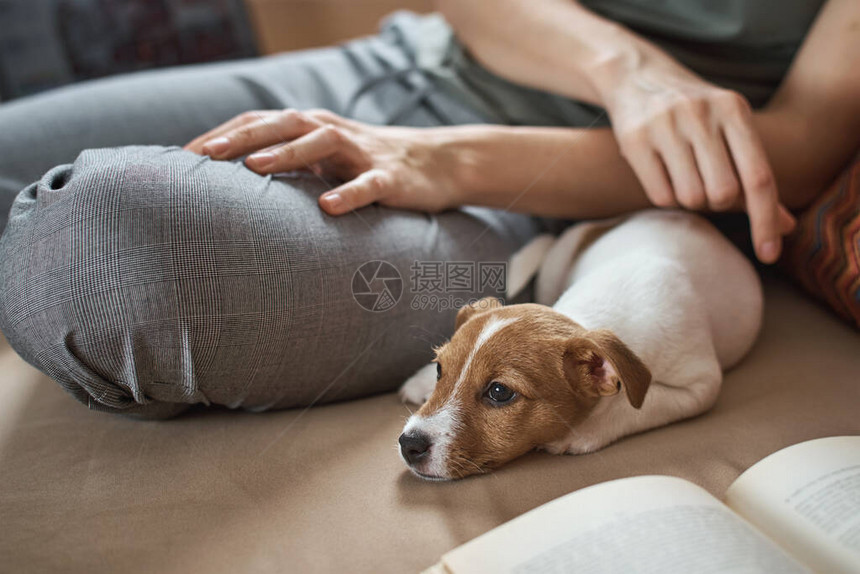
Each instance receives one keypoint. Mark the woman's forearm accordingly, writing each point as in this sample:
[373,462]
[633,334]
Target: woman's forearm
[554,172]
[552,45]
[580,173]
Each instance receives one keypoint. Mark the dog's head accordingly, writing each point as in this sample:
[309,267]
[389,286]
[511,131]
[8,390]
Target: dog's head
[512,379]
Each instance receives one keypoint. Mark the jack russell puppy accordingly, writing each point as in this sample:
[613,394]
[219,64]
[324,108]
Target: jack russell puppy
[648,312]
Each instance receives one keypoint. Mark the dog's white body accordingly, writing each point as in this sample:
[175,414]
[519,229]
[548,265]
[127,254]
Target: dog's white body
[666,283]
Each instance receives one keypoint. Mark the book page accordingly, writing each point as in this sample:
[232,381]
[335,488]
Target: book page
[657,524]
[807,498]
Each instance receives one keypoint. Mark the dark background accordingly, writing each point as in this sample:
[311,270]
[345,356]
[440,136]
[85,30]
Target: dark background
[48,43]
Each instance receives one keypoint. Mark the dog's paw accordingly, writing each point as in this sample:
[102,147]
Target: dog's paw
[583,447]
[574,444]
[418,388]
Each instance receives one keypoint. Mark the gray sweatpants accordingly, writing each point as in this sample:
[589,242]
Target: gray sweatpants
[145,279]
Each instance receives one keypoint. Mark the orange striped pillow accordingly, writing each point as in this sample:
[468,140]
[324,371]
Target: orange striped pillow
[823,253]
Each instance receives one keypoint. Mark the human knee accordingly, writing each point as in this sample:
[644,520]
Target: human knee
[72,284]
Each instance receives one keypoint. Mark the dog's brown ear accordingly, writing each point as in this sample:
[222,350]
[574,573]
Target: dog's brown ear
[605,363]
[466,312]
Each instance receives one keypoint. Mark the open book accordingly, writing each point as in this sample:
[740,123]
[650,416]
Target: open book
[798,510]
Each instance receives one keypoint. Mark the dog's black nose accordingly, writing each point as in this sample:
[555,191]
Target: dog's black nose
[414,446]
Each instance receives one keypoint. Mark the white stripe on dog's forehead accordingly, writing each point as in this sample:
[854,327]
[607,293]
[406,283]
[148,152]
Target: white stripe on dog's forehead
[441,423]
[492,327]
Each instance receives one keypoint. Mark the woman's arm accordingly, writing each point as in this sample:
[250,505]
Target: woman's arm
[810,130]
[552,45]
[689,142]
[812,124]
[685,140]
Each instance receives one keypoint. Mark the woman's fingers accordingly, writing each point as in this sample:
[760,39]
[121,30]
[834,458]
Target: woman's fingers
[196,145]
[787,222]
[651,173]
[683,171]
[722,188]
[759,188]
[307,150]
[372,185]
[283,127]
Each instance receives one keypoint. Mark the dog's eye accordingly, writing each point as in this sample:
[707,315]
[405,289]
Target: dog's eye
[499,393]
[438,371]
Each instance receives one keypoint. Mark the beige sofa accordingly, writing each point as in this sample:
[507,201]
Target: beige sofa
[323,490]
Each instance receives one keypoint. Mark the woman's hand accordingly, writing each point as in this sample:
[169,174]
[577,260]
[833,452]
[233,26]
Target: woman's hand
[407,168]
[693,144]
